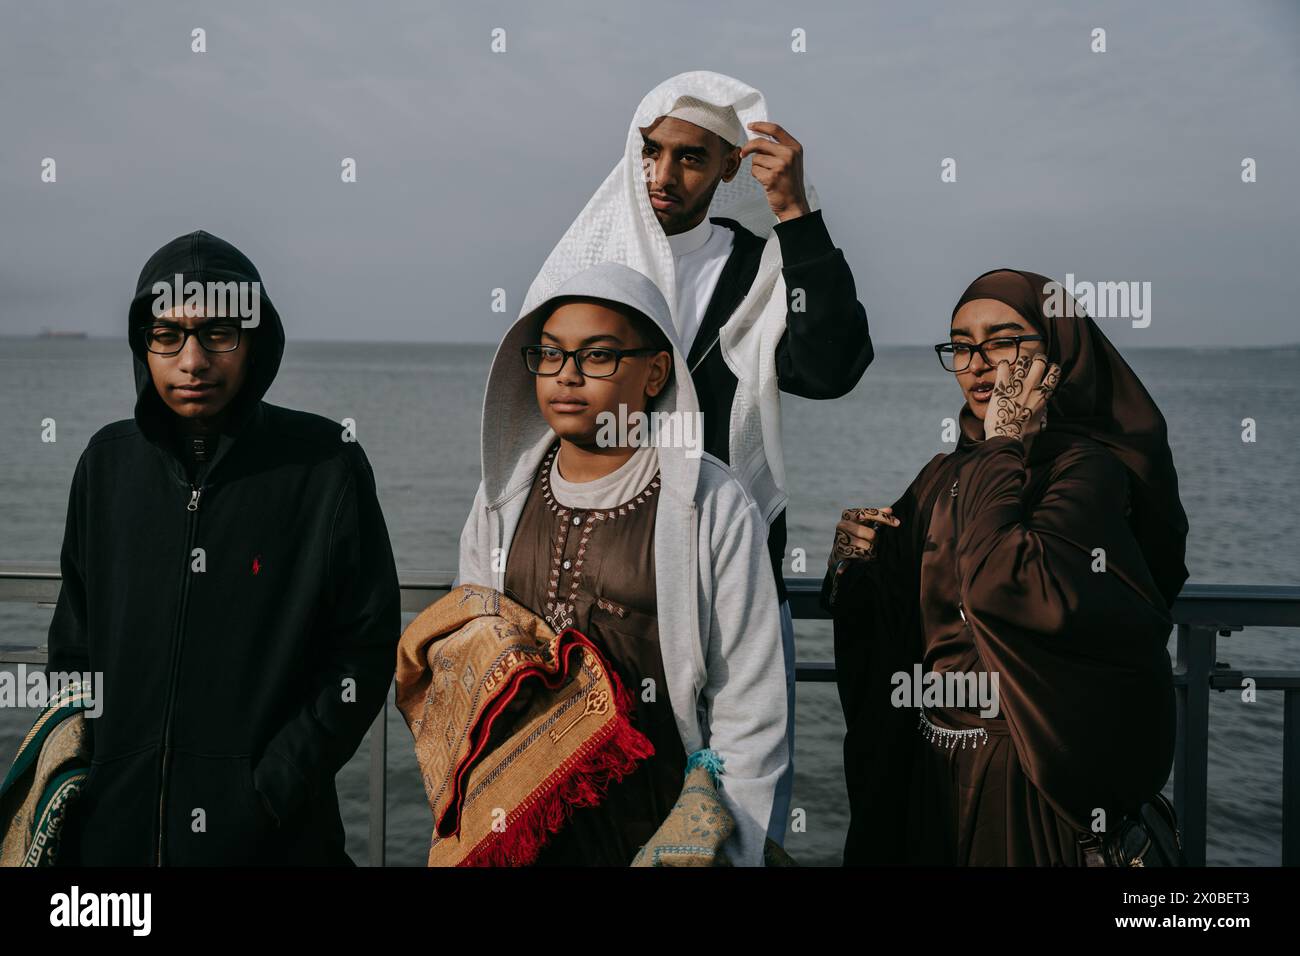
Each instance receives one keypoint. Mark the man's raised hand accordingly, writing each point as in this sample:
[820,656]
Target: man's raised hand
[779,169]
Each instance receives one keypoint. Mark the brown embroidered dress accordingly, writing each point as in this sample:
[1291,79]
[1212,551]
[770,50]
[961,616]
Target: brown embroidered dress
[593,569]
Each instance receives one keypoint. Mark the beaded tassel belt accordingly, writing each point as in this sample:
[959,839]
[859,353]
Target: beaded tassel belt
[950,738]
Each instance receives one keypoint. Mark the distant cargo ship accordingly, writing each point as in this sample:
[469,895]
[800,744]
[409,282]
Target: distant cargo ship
[57,334]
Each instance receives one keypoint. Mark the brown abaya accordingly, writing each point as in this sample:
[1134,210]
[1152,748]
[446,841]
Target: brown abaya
[997,567]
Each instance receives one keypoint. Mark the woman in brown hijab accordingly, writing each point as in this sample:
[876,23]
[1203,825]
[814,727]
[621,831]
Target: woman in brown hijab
[1043,554]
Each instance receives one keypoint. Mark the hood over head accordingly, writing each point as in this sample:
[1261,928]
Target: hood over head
[201,257]
[516,436]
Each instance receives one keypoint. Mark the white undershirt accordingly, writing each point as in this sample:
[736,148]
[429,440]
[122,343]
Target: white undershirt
[698,255]
[621,485]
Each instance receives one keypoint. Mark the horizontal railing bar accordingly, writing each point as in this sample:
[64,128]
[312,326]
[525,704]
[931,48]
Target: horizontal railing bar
[29,583]
[22,655]
[1209,605]
[1202,605]
[1231,678]
[30,569]
[815,672]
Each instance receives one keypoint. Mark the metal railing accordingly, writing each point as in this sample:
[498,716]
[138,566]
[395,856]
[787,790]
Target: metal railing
[1203,613]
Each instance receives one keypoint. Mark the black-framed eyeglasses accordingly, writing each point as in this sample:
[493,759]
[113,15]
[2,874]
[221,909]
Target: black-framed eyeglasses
[171,339]
[594,361]
[956,356]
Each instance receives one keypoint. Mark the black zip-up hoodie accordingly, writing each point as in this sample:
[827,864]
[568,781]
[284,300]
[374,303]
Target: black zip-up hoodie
[231,695]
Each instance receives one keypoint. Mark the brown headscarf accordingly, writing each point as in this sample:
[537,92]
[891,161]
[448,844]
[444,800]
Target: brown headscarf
[1101,398]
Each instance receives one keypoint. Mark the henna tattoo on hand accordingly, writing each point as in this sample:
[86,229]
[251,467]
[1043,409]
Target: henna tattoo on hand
[844,547]
[1016,383]
[1011,414]
[1050,380]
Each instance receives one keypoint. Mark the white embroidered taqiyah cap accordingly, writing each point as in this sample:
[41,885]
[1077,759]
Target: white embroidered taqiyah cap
[716,119]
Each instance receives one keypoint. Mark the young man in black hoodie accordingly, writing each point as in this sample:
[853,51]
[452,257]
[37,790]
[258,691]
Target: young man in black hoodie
[227,568]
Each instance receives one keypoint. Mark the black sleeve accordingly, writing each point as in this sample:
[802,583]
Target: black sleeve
[358,652]
[67,641]
[826,345]
[870,585]
[876,629]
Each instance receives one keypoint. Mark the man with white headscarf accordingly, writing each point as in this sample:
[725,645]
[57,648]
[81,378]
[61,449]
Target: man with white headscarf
[711,202]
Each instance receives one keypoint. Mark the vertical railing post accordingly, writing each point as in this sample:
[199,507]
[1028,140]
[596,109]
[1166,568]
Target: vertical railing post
[1290,777]
[1196,649]
[379,785]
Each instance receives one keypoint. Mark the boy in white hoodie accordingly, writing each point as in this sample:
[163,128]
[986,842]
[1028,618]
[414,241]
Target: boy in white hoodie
[655,552]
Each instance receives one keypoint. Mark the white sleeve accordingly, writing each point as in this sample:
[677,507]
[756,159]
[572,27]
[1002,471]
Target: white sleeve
[745,688]
[475,552]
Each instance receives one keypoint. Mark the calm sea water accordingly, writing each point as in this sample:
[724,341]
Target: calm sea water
[417,410]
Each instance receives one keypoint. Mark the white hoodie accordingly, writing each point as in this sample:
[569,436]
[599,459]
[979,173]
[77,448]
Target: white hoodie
[719,625]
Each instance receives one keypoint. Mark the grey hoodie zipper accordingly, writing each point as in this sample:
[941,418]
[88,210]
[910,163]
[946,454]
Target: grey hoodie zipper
[191,527]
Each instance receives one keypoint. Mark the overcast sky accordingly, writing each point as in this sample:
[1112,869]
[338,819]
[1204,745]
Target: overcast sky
[1123,165]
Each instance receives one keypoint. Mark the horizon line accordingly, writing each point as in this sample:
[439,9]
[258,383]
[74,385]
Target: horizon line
[77,335]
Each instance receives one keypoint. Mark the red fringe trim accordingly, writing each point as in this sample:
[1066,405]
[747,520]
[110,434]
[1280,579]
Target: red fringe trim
[581,782]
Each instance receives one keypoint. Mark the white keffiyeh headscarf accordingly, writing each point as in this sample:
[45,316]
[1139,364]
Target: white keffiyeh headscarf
[619,224]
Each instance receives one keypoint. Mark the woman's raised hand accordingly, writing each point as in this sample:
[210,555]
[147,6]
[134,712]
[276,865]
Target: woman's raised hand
[1020,393]
[855,535]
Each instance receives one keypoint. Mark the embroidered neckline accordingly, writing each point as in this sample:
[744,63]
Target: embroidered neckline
[593,514]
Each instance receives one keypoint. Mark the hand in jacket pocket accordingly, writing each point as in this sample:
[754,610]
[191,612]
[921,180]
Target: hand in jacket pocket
[260,799]
[279,786]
